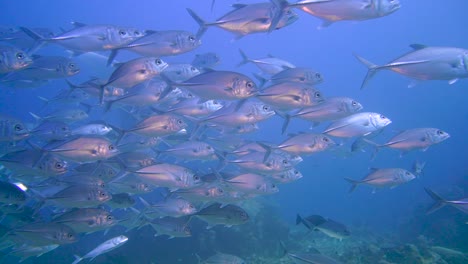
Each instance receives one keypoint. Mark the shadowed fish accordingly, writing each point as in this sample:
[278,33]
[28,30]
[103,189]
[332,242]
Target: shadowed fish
[43,234]
[86,220]
[381,178]
[228,215]
[269,65]
[327,226]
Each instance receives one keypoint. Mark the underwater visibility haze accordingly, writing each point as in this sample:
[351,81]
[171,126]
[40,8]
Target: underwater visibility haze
[226,131]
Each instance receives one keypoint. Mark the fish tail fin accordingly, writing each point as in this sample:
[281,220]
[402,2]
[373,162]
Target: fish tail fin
[77,259]
[268,150]
[354,184]
[287,120]
[299,219]
[439,202]
[245,59]
[372,69]
[39,40]
[201,23]
[280,9]
[112,56]
[45,100]
[283,249]
[261,79]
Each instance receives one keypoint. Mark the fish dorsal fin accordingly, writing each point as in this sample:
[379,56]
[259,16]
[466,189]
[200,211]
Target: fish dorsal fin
[78,24]
[238,6]
[418,46]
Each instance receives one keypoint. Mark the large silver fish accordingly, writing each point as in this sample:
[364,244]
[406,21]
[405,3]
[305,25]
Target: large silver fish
[425,63]
[105,247]
[331,11]
[86,38]
[357,125]
[248,19]
[386,177]
[86,220]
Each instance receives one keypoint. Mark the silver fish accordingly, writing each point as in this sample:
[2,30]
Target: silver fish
[105,247]
[269,65]
[12,129]
[86,38]
[158,125]
[425,63]
[249,19]
[175,207]
[287,96]
[193,150]
[42,234]
[357,125]
[68,115]
[83,149]
[171,226]
[86,220]
[416,138]
[298,75]
[80,195]
[181,72]
[380,178]
[168,175]
[45,68]
[250,183]
[220,85]
[340,10]
[95,128]
[194,108]
[306,143]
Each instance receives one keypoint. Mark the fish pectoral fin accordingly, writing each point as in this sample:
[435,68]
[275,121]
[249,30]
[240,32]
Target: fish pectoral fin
[453,81]
[403,63]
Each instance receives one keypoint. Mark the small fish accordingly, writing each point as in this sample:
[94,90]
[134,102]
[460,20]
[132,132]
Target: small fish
[105,247]
[86,38]
[52,130]
[357,125]
[175,207]
[252,184]
[130,184]
[194,108]
[68,115]
[172,226]
[306,143]
[418,167]
[95,128]
[205,60]
[269,65]
[83,149]
[287,96]
[286,176]
[191,150]
[80,195]
[158,125]
[181,72]
[160,43]
[330,109]
[298,75]
[86,220]
[387,177]
[440,202]
[43,234]
[168,175]
[45,68]
[425,63]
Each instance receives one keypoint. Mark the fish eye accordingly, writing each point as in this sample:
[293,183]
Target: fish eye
[250,84]
[440,132]
[407,173]
[191,38]
[102,194]
[325,139]
[208,147]
[296,172]
[111,147]
[382,117]
[82,113]
[64,129]
[158,61]
[285,162]
[273,185]
[18,127]
[71,65]
[266,108]
[317,95]
[58,165]
[191,205]
[193,69]
[220,190]
[109,217]
[196,178]
[137,32]
[353,103]
[318,75]
[70,235]
[19,56]
[122,33]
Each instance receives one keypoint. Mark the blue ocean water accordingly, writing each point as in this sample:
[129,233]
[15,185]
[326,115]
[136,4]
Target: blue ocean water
[397,213]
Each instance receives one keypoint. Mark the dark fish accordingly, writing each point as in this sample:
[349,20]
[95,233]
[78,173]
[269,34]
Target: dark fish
[205,60]
[11,194]
[172,226]
[42,234]
[217,214]
[327,226]
[52,130]
[80,195]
